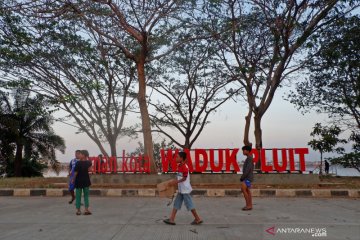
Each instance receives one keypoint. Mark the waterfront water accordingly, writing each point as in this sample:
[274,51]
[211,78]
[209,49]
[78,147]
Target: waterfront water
[341,171]
[51,173]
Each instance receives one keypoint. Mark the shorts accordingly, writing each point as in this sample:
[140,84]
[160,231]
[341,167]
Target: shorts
[247,183]
[71,185]
[186,198]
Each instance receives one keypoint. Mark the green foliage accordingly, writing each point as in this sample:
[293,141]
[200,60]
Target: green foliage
[327,139]
[355,138]
[334,83]
[157,147]
[334,86]
[25,124]
[351,160]
[30,168]
[7,150]
[348,160]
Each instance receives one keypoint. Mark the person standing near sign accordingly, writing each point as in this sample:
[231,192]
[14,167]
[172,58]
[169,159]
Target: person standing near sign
[184,190]
[247,177]
[71,175]
[327,166]
[82,181]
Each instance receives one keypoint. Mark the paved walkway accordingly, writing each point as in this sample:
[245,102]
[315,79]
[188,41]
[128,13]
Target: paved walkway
[141,219]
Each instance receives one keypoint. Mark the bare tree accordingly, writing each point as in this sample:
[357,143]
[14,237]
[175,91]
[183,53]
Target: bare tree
[74,69]
[262,45]
[191,87]
[143,31]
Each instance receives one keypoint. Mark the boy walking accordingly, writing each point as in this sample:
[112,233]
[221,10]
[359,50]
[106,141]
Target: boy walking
[184,190]
[82,181]
[247,177]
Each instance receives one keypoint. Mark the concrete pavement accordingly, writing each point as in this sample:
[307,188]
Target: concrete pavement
[134,218]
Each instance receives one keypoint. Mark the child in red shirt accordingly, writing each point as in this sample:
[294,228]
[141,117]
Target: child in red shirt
[184,190]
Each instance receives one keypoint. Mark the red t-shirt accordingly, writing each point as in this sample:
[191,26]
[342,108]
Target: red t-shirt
[184,187]
[183,170]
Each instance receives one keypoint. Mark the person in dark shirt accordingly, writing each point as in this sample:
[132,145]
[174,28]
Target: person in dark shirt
[327,166]
[247,177]
[82,181]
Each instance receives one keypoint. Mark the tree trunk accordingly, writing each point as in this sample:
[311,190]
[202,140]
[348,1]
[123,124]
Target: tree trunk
[258,132]
[18,160]
[247,128]
[145,118]
[101,147]
[27,151]
[112,144]
[187,143]
[258,138]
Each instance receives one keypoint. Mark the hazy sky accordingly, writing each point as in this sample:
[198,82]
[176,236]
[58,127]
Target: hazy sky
[283,127]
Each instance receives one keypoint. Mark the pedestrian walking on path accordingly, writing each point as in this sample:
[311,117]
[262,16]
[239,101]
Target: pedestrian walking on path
[184,190]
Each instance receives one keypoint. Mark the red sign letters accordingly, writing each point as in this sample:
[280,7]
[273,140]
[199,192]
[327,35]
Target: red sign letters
[205,160]
[226,159]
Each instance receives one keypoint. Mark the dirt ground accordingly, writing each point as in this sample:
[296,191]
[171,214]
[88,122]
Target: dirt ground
[56,182]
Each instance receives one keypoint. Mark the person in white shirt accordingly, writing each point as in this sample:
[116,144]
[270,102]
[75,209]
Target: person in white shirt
[184,190]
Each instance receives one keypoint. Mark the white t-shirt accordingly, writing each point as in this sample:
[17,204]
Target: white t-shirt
[185,186]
